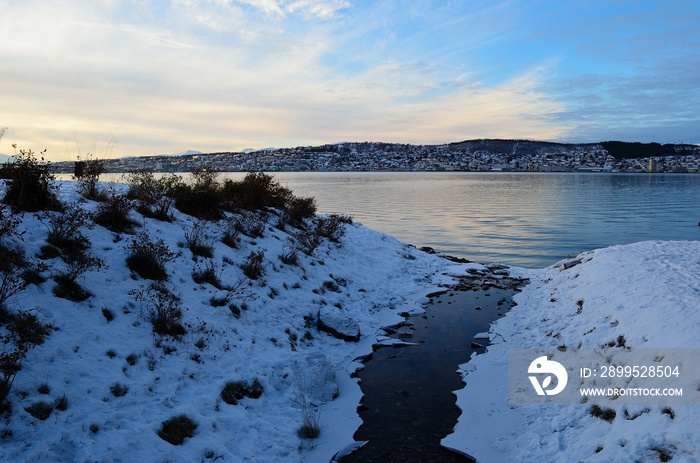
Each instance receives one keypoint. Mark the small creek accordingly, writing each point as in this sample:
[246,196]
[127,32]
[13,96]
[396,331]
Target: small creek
[408,404]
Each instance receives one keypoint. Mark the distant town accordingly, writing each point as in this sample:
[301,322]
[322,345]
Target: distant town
[470,156]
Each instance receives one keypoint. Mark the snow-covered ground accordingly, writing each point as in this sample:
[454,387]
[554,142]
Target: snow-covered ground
[374,277]
[648,293]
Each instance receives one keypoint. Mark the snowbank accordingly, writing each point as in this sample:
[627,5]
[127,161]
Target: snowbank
[374,277]
[648,293]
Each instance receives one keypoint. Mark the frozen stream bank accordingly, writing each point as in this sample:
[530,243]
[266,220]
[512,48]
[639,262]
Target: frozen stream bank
[408,404]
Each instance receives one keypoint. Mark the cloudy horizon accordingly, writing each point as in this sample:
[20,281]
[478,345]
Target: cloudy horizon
[126,78]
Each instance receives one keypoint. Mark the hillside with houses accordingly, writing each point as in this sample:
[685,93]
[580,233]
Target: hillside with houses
[466,156]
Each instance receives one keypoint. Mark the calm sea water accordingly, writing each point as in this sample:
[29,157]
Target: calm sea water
[526,219]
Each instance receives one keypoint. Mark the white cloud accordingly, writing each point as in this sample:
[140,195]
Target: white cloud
[268,6]
[308,9]
[316,8]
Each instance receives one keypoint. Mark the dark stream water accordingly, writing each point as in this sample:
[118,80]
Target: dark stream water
[408,405]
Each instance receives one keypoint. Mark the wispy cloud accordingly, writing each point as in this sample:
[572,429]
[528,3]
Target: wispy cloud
[309,9]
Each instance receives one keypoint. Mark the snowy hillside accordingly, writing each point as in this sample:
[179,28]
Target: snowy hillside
[612,300]
[240,347]
[111,382]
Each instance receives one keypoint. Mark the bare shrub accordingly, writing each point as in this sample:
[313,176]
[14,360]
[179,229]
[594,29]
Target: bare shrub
[165,308]
[30,183]
[19,335]
[231,291]
[40,410]
[12,281]
[148,257]
[113,214]
[143,186]
[250,223]
[233,391]
[61,404]
[118,389]
[153,194]
[310,421]
[77,264]
[8,224]
[290,253]
[298,209]
[66,227]
[608,414]
[253,266]
[207,274]
[332,227]
[198,240]
[306,241]
[176,429]
[200,199]
[231,232]
[88,174]
[13,267]
[256,191]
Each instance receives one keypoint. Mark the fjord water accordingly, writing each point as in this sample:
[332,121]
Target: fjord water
[527,219]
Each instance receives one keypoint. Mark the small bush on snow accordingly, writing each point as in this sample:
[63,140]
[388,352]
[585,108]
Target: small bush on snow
[234,391]
[61,404]
[253,266]
[200,199]
[88,174]
[153,195]
[332,227]
[309,429]
[13,270]
[8,224]
[290,253]
[66,227]
[40,410]
[607,414]
[250,223]
[113,214]
[207,274]
[48,251]
[77,263]
[108,314]
[231,233]
[118,390]
[177,428]
[148,257]
[298,209]
[30,183]
[256,191]
[21,333]
[198,240]
[165,308]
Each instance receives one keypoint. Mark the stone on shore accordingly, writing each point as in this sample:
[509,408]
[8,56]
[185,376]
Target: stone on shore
[335,323]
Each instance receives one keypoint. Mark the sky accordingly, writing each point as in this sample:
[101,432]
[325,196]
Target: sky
[127,78]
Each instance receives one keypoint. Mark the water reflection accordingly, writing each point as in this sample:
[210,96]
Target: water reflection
[526,219]
[519,218]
